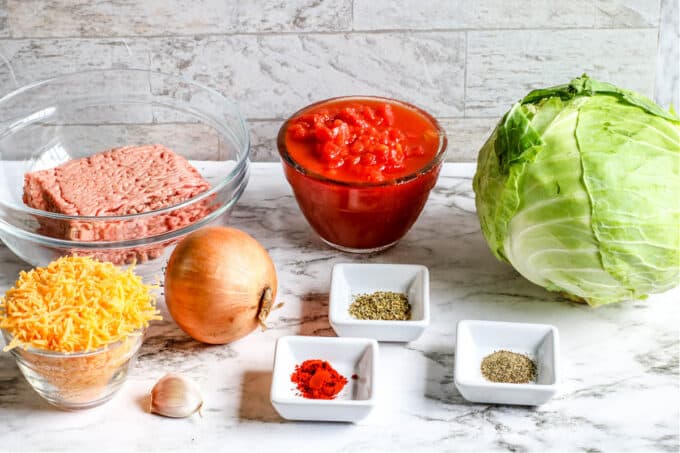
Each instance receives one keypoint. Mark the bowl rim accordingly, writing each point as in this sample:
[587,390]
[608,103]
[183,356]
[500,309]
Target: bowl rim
[436,159]
[335,305]
[138,334]
[238,168]
[278,374]
[517,325]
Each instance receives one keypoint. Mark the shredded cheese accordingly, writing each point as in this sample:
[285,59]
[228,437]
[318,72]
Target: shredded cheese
[76,304]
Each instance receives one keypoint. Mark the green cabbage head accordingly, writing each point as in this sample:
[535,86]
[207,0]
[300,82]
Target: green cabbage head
[578,188]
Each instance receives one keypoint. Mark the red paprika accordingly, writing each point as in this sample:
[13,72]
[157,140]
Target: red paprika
[317,379]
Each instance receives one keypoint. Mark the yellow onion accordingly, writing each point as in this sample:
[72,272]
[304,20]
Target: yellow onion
[220,284]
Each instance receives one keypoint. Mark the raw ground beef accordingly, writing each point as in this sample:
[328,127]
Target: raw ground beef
[127,180]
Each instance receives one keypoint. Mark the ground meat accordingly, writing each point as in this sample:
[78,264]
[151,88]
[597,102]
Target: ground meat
[127,180]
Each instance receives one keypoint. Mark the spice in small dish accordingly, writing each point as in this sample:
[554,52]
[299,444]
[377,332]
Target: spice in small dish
[508,367]
[317,379]
[381,305]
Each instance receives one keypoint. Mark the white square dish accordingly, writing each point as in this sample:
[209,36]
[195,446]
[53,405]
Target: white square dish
[348,280]
[477,339]
[349,356]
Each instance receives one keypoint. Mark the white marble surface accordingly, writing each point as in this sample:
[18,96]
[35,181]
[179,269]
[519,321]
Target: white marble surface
[619,393]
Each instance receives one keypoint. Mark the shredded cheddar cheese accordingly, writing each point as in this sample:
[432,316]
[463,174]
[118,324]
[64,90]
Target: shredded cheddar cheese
[76,304]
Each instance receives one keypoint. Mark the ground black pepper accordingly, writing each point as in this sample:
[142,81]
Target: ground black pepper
[508,367]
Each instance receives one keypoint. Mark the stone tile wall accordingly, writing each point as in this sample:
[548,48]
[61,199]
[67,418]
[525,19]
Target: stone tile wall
[464,61]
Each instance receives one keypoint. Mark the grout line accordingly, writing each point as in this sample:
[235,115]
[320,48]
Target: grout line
[321,33]
[264,120]
[465,72]
[250,120]
[667,79]
[445,118]
[352,14]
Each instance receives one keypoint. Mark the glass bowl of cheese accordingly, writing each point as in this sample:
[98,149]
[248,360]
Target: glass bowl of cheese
[78,380]
[74,328]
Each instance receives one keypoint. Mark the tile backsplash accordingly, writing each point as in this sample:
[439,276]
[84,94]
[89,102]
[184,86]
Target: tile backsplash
[464,61]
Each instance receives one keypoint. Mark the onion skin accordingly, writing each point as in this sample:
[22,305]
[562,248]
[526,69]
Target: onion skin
[215,282]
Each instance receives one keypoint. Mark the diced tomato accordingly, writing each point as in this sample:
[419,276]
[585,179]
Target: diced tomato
[336,163]
[369,114]
[368,159]
[368,137]
[396,156]
[396,135]
[323,134]
[385,110]
[330,151]
[350,115]
[299,132]
[341,132]
[357,147]
[382,152]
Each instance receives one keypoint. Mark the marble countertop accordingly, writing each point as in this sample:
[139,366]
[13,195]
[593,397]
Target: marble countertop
[619,391]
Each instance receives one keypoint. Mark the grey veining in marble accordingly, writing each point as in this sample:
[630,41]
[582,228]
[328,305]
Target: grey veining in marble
[464,61]
[620,363]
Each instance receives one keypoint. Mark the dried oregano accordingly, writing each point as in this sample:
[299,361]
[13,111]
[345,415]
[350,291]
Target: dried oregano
[381,305]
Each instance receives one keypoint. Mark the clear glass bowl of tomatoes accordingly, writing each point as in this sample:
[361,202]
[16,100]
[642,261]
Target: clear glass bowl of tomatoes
[361,168]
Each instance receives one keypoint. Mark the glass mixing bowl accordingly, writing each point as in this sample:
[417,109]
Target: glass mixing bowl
[79,380]
[68,117]
[366,216]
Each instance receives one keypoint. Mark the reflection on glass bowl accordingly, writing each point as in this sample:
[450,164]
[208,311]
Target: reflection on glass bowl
[73,116]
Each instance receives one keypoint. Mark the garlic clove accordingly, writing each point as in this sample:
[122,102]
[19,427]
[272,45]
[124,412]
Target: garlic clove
[175,396]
